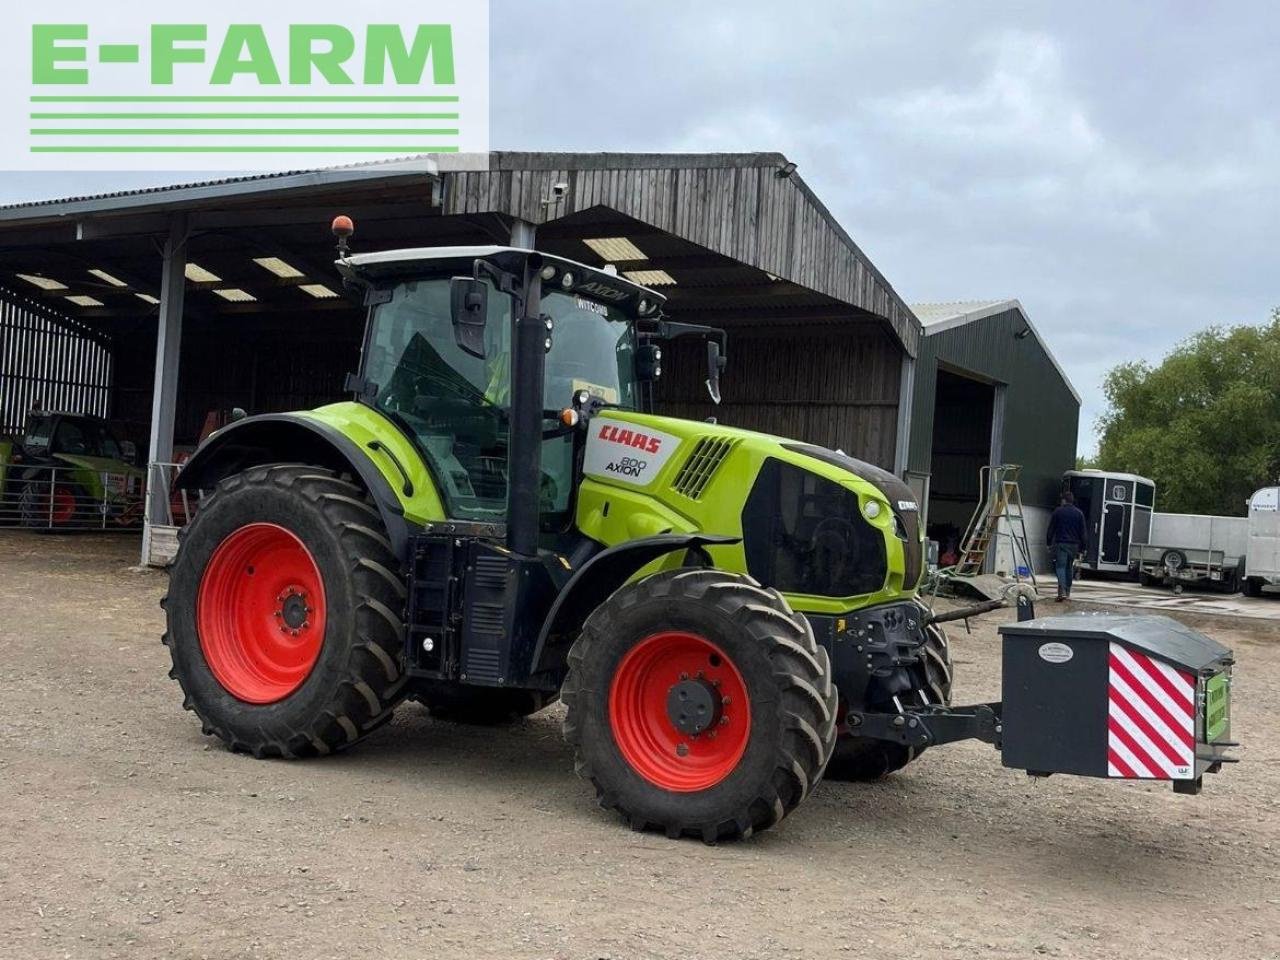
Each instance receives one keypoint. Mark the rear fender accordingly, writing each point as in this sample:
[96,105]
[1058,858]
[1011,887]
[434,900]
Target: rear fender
[292,438]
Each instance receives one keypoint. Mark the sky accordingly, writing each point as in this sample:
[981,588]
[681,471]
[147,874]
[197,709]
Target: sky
[1114,166]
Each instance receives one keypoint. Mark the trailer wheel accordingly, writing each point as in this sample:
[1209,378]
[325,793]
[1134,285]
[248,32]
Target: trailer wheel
[482,706]
[865,758]
[1253,586]
[284,614]
[699,704]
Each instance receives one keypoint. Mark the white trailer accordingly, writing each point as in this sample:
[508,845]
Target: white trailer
[1187,548]
[1262,561]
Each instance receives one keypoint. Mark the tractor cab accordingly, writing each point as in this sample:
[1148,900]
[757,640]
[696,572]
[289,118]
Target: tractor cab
[438,362]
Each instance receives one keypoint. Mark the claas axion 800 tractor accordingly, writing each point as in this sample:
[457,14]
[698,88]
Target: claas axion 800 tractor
[495,519]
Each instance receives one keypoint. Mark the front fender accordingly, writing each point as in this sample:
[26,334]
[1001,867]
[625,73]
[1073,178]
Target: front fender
[596,580]
[294,438]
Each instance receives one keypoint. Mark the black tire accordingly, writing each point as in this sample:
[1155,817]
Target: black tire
[358,676]
[1146,580]
[1253,586]
[864,758]
[483,706]
[786,675]
[34,508]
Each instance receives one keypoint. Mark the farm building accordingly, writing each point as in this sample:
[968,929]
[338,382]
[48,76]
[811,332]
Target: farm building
[155,307]
[158,307]
[988,391]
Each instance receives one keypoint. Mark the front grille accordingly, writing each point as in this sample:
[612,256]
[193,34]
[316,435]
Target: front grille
[708,453]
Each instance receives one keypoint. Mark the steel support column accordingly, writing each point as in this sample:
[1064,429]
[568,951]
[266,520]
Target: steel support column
[906,394]
[164,400]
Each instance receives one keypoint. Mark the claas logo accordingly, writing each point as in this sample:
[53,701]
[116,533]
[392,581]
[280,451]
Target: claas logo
[630,438]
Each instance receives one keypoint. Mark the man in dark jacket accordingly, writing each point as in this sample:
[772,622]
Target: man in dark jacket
[1068,536]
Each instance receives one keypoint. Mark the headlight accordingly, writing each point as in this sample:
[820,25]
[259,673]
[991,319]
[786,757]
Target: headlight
[871,509]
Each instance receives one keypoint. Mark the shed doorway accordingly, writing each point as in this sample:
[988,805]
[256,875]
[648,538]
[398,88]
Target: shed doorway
[965,439]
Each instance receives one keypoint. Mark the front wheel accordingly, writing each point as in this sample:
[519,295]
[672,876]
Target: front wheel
[698,703]
[284,614]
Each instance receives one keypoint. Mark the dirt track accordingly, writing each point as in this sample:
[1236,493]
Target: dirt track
[124,832]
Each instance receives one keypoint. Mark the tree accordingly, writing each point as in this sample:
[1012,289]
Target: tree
[1204,424]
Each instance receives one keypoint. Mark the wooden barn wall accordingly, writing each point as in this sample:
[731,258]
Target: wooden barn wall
[836,389]
[49,361]
[1041,415]
[260,370]
[747,213]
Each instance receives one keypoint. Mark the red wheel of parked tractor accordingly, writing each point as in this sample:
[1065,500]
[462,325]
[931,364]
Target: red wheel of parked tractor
[260,613]
[63,510]
[679,711]
[41,508]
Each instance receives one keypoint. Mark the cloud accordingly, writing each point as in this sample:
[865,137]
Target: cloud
[1111,165]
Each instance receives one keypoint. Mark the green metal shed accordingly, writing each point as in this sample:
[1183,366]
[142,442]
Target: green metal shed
[988,390]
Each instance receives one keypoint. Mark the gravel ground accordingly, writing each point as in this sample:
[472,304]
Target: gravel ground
[124,832]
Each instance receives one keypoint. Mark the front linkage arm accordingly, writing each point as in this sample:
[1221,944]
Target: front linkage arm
[931,726]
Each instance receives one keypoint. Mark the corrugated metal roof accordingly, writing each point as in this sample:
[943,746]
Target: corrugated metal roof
[931,314]
[422,163]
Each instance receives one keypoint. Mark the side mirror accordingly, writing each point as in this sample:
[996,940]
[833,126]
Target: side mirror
[715,366]
[648,363]
[469,308]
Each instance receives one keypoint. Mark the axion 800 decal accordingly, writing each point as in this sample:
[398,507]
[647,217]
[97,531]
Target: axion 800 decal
[626,452]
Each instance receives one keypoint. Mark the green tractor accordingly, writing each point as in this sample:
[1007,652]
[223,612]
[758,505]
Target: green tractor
[496,520]
[69,471]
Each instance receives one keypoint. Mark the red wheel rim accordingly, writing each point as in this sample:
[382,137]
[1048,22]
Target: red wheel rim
[64,505]
[260,613]
[646,733]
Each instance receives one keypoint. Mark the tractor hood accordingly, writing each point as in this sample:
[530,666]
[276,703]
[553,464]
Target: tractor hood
[634,449]
[813,521]
[99,464]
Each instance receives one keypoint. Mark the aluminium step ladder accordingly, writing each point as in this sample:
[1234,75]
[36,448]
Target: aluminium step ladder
[999,515]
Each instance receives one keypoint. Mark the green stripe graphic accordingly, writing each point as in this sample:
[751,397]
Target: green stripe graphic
[246,99]
[237,132]
[244,116]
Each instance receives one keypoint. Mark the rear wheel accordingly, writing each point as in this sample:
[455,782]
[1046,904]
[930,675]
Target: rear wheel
[284,614]
[864,758]
[1253,586]
[699,704]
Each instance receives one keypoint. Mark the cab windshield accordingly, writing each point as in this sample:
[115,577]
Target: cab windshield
[456,407]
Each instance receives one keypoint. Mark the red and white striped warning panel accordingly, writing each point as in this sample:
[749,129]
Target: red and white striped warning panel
[1152,719]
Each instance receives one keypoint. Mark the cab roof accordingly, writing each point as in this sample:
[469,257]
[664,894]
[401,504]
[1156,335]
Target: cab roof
[585,281]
